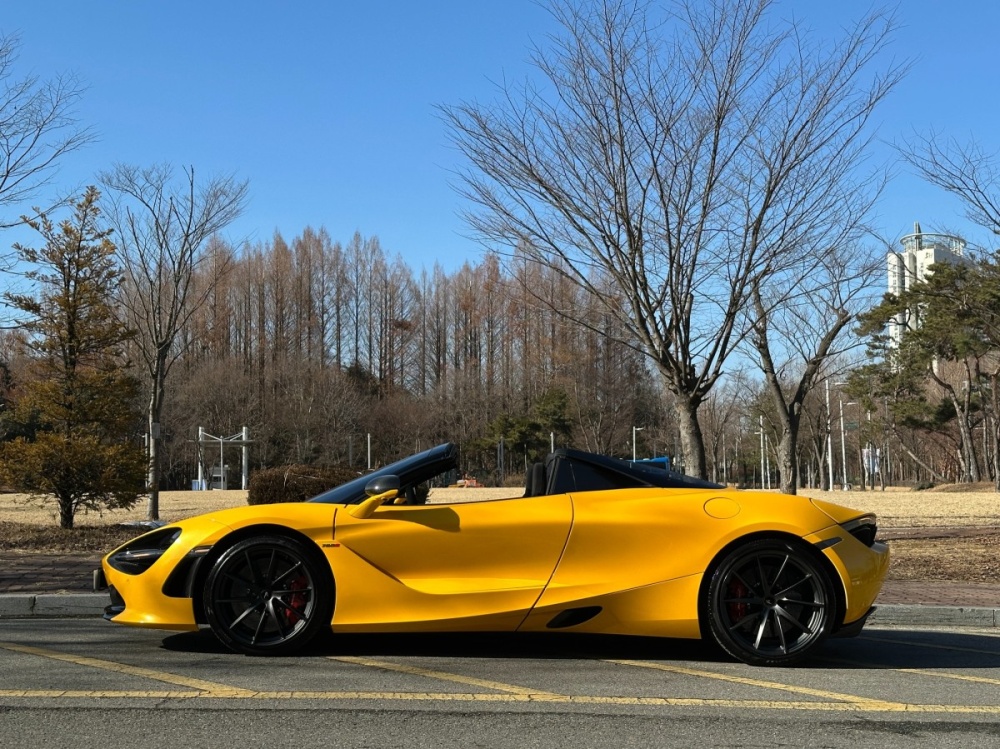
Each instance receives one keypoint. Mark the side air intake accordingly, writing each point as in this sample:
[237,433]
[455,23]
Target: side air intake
[573,617]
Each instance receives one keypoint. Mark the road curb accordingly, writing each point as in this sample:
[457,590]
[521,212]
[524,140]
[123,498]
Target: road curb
[58,605]
[52,605]
[935,616]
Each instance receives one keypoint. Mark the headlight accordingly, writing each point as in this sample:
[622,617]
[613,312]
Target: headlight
[139,554]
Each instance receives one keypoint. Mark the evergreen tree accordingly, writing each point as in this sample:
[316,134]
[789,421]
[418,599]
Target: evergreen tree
[79,394]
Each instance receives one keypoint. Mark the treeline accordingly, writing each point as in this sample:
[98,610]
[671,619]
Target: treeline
[323,348]
[314,345]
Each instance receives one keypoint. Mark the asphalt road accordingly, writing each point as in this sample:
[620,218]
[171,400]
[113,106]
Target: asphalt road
[84,682]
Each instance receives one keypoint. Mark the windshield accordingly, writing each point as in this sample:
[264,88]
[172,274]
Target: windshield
[411,471]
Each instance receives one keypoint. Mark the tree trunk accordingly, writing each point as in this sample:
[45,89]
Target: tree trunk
[66,512]
[692,441]
[788,478]
[934,474]
[154,436]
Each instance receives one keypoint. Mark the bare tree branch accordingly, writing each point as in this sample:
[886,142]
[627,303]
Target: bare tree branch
[162,231]
[687,157]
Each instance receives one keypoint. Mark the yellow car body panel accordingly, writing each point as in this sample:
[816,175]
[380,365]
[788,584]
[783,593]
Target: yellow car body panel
[438,566]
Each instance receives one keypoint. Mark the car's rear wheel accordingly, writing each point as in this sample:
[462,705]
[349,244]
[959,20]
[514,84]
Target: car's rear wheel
[267,596]
[770,603]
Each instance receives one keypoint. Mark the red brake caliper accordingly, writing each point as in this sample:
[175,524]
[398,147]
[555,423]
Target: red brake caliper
[297,601]
[739,609]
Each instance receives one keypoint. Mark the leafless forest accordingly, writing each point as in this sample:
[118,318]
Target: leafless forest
[315,345]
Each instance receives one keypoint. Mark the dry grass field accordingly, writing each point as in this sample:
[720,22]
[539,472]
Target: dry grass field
[921,525]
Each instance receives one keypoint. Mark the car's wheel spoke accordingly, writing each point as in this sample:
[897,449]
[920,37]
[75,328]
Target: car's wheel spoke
[761,628]
[765,588]
[747,585]
[286,573]
[260,625]
[246,612]
[301,614]
[806,578]
[279,622]
[239,599]
[742,621]
[783,614]
[797,602]
[269,575]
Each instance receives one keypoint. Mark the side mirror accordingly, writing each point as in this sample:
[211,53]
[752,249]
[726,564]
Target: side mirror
[379,490]
[382,484]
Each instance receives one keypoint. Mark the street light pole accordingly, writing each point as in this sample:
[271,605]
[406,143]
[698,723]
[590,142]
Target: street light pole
[762,451]
[843,444]
[634,430]
[829,439]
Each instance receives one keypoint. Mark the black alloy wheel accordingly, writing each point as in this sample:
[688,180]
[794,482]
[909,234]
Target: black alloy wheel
[267,596]
[770,603]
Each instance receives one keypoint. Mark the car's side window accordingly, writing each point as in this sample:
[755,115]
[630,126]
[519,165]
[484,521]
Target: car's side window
[575,476]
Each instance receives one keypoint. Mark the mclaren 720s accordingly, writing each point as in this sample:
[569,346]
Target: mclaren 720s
[594,545]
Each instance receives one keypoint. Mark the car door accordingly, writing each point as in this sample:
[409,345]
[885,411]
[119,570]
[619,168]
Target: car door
[463,566]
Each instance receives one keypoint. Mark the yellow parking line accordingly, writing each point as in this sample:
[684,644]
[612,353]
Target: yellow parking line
[96,694]
[469,680]
[217,690]
[759,683]
[860,706]
[946,675]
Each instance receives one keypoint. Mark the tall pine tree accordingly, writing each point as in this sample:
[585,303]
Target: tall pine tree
[83,454]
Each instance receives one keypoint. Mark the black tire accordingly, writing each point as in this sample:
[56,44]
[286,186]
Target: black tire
[267,596]
[770,603]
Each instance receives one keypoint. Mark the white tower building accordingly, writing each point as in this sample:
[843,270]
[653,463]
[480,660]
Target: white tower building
[920,251]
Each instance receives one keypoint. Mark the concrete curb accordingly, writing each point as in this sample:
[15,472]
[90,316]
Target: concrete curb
[935,616]
[53,605]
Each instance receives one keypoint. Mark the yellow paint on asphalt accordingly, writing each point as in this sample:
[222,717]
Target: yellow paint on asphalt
[217,690]
[199,689]
[96,694]
[946,675]
[864,706]
[821,693]
[415,671]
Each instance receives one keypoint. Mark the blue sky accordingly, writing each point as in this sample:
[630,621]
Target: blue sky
[328,108]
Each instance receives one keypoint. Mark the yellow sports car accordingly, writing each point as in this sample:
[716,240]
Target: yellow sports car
[595,544]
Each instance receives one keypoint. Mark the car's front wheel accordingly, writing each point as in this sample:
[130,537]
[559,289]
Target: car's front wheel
[770,603]
[267,596]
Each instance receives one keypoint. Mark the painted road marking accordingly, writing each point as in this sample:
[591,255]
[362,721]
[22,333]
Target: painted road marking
[221,690]
[821,693]
[469,680]
[201,689]
[860,707]
[946,675]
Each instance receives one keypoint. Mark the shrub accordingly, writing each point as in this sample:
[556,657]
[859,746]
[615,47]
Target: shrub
[295,483]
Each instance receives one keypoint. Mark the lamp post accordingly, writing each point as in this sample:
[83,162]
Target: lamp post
[843,441]
[762,451]
[829,440]
[634,430]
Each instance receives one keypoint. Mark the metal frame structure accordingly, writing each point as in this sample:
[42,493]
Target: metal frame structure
[240,438]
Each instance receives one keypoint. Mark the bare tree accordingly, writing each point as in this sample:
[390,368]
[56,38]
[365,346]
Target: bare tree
[966,170]
[800,320]
[162,230]
[686,157]
[38,126]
